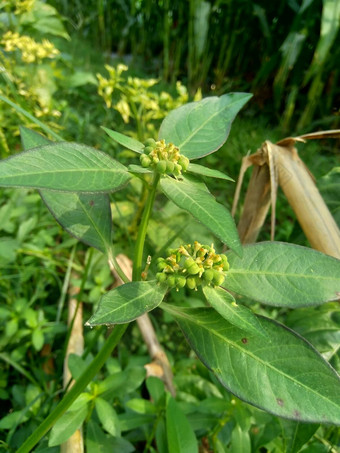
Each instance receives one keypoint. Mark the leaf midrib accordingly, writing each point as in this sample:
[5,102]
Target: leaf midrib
[281,274]
[83,170]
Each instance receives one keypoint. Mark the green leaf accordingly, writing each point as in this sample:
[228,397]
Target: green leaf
[141,406]
[296,434]
[124,140]
[181,437]
[85,216]
[284,275]
[63,166]
[66,426]
[200,128]
[108,417]
[204,171]
[238,315]
[138,169]
[282,374]
[240,441]
[203,206]
[98,442]
[127,302]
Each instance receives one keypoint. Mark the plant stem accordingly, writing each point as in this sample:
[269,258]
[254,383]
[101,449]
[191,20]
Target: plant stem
[77,388]
[137,264]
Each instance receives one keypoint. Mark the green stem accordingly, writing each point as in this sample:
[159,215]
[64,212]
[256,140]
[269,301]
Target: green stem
[79,385]
[139,248]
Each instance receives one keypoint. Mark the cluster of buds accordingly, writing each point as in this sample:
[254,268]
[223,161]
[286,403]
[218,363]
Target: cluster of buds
[191,266]
[164,158]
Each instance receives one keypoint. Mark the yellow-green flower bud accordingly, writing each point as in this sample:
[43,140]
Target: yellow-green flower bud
[193,269]
[161,265]
[171,281]
[145,161]
[170,166]
[189,262]
[148,150]
[218,278]
[208,275]
[183,162]
[191,282]
[225,263]
[177,170]
[161,277]
[150,142]
[161,166]
[180,281]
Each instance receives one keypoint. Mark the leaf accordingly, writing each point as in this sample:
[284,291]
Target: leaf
[141,406]
[296,434]
[124,140]
[85,216]
[181,437]
[66,426]
[108,417]
[238,315]
[284,275]
[240,441]
[98,442]
[204,171]
[283,374]
[203,206]
[138,169]
[125,303]
[200,128]
[63,166]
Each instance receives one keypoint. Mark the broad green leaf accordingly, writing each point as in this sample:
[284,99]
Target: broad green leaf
[63,166]
[130,420]
[85,216]
[125,303]
[107,416]
[124,140]
[13,419]
[282,374]
[203,206]
[181,437]
[99,442]
[284,275]
[238,315]
[204,171]
[138,169]
[200,128]
[141,406]
[296,434]
[66,426]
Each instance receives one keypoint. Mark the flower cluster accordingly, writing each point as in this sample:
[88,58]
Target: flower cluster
[164,158]
[31,50]
[191,266]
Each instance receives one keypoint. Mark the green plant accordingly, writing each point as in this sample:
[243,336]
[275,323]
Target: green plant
[253,356]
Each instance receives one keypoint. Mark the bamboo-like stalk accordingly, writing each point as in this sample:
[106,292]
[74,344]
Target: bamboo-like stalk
[280,165]
[75,444]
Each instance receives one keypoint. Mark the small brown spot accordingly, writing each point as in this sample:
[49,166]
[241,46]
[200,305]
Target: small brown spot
[91,203]
[279,402]
[244,340]
[297,414]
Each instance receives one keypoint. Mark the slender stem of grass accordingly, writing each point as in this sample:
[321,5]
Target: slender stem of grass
[139,248]
[79,385]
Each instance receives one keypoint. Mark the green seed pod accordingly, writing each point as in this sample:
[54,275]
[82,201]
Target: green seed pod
[218,278]
[161,166]
[161,265]
[225,262]
[171,281]
[180,281]
[189,262]
[177,170]
[170,166]
[191,282]
[148,149]
[145,161]
[184,162]
[193,269]
[208,275]
[161,277]
[150,142]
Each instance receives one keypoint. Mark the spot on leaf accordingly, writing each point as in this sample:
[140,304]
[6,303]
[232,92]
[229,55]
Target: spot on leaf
[297,414]
[91,202]
[244,340]
[280,401]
